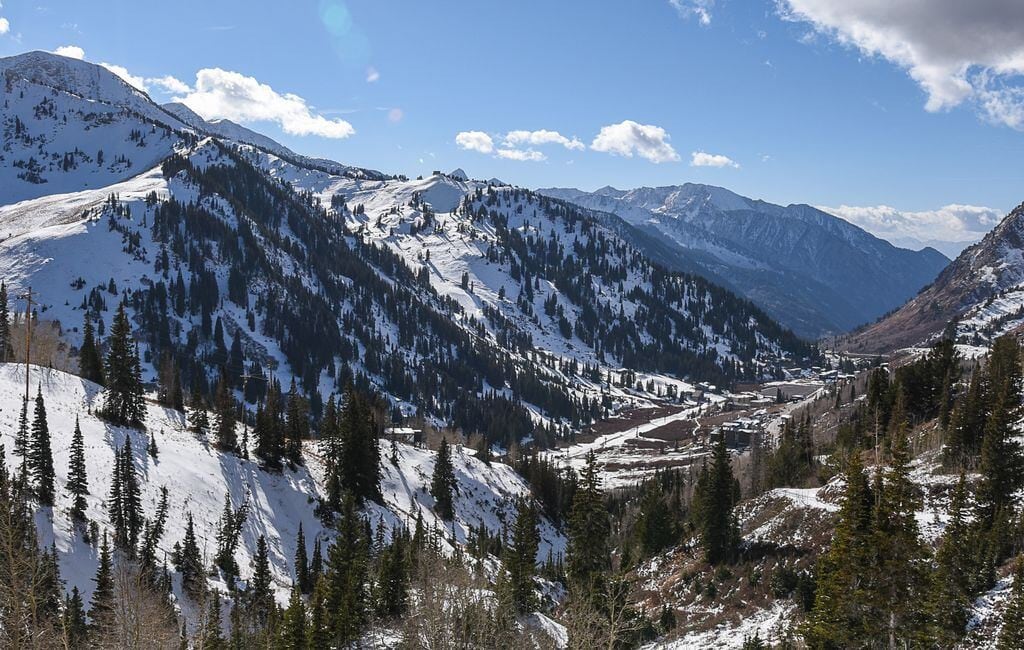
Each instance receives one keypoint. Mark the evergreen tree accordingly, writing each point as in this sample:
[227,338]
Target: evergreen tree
[78,483]
[125,502]
[346,576]
[6,349]
[198,420]
[392,593]
[259,595]
[297,425]
[123,399]
[950,601]
[842,615]
[521,558]
[76,630]
[442,482]
[101,607]
[898,585]
[1011,636]
[588,552]
[213,638]
[714,497]
[40,454]
[654,522]
[21,444]
[302,576]
[90,363]
[295,628]
[225,423]
[190,562]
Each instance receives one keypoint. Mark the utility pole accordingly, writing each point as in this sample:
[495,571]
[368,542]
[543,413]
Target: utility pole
[27,296]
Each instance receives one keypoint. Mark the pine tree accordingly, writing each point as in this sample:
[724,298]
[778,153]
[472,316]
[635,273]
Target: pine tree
[213,639]
[297,425]
[713,500]
[40,454]
[101,607]
[841,617]
[259,594]
[301,564]
[78,482]
[190,562]
[198,421]
[6,349]
[21,444]
[521,558]
[898,586]
[225,423]
[319,617]
[588,552]
[442,483]
[90,363]
[346,577]
[76,630]
[128,521]
[1011,636]
[124,400]
[295,630]
[950,600]
[654,522]
[392,593]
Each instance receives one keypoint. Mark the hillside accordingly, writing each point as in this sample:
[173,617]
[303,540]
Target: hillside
[814,272]
[976,298]
[199,478]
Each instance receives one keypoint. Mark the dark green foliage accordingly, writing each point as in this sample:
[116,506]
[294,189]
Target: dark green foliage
[125,502]
[347,600]
[259,595]
[714,497]
[123,399]
[73,621]
[442,483]
[228,529]
[295,626]
[190,563]
[101,607]
[40,455]
[392,593]
[654,529]
[90,363]
[1011,637]
[588,552]
[78,482]
[302,575]
[224,427]
[950,601]
[520,558]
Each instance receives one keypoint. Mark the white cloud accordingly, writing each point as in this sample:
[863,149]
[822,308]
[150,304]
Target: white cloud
[475,141]
[521,154]
[950,228]
[541,137]
[70,51]
[395,115]
[701,9]
[122,72]
[170,84]
[956,50]
[224,94]
[704,159]
[5,25]
[628,138]
[372,76]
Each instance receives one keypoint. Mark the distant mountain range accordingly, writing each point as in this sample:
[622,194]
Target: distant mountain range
[812,271]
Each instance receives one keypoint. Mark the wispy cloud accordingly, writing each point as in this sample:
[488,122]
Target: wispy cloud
[705,159]
[516,145]
[699,9]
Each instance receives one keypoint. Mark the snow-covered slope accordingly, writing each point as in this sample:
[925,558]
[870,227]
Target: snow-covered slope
[69,125]
[198,477]
[814,272]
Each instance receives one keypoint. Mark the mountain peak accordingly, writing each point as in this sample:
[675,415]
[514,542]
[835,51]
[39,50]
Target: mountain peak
[459,174]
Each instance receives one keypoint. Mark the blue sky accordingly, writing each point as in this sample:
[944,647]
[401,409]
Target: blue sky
[790,100]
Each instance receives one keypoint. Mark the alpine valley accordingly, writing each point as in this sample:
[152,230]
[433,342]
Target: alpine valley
[251,398]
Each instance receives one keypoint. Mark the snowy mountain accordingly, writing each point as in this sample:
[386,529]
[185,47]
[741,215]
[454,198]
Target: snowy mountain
[976,298]
[483,307]
[814,272]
